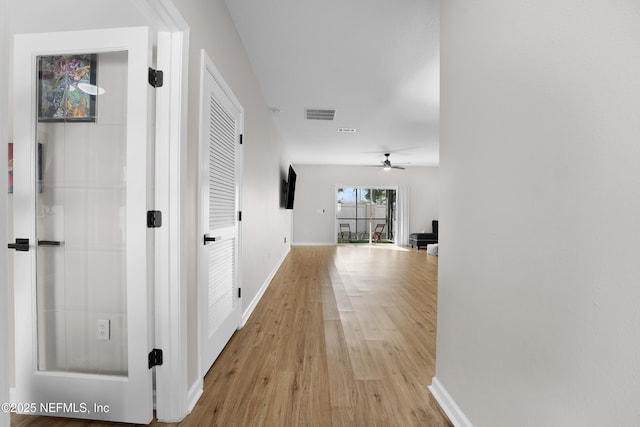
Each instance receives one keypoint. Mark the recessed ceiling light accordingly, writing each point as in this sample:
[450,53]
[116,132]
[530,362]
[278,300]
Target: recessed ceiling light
[346,130]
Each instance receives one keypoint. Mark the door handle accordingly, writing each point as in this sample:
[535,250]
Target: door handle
[208,239]
[49,243]
[21,245]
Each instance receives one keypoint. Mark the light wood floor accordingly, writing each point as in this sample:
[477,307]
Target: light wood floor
[344,336]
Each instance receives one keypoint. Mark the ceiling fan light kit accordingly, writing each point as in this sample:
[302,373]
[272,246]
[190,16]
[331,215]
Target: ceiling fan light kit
[386,164]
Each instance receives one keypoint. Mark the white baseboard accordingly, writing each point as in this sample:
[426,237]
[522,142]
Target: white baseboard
[194,395]
[263,289]
[448,405]
[313,244]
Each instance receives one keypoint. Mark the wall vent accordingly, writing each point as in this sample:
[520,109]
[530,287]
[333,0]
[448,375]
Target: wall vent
[319,113]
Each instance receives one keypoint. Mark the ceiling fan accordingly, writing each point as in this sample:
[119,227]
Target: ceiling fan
[386,165]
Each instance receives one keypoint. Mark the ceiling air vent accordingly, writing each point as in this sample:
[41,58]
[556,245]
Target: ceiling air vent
[319,113]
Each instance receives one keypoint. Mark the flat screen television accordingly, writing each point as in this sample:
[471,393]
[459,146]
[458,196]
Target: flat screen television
[290,189]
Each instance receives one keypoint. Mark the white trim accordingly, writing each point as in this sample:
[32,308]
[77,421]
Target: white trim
[403,214]
[448,405]
[170,293]
[4,286]
[208,65]
[254,303]
[171,388]
[314,244]
[195,392]
[163,14]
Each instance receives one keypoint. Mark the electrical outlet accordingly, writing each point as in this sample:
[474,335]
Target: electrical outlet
[104,329]
[285,240]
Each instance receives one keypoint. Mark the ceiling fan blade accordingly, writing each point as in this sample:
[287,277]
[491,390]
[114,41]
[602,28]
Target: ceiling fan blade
[397,167]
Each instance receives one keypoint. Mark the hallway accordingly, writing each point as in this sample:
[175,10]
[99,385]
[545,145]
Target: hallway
[344,336]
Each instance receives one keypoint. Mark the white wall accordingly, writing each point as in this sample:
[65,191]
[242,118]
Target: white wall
[264,224]
[539,295]
[36,16]
[315,199]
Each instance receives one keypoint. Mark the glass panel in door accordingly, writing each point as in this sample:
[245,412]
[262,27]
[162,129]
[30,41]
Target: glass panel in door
[366,214]
[346,214]
[81,285]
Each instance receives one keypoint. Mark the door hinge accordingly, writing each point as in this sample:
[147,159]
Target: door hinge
[155,358]
[156,77]
[240,139]
[154,219]
[239,215]
[239,292]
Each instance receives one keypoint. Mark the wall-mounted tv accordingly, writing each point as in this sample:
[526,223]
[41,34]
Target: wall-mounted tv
[290,189]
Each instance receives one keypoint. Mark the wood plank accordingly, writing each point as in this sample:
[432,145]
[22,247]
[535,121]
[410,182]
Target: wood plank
[344,336]
[341,378]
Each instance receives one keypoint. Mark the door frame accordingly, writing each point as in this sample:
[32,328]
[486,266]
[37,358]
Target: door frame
[174,396]
[4,286]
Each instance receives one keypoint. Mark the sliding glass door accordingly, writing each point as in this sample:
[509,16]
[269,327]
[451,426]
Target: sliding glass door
[366,214]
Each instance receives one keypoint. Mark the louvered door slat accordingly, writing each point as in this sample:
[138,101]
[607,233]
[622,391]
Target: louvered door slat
[221,277]
[222,147]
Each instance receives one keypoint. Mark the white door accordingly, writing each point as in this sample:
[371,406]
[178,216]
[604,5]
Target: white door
[218,270]
[81,190]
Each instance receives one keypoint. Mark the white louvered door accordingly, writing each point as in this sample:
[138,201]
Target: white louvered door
[218,287]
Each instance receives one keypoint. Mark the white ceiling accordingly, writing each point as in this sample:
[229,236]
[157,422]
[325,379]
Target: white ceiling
[375,61]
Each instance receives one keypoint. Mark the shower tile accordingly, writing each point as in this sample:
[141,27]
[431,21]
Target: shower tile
[75,218]
[76,280]
[51,278]
[77,344]
[105,220]
[76,154]
[107,282]
[112,75]
[107,160]
[51,340]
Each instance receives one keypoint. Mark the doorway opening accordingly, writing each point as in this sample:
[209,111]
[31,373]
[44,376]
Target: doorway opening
[366,214]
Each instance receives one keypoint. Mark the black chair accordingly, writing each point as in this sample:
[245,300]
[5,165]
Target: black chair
[424,239]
